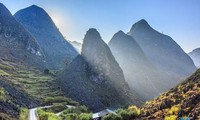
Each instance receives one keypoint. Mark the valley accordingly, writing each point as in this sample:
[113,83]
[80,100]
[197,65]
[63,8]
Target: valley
[141,74]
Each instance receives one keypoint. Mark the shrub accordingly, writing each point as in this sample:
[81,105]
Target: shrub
[85,116]
[71,116]
[2,94]
[171,117]
[47,115]
[125,114]
[23,114]
[136,111]
[46,71]
[112,117]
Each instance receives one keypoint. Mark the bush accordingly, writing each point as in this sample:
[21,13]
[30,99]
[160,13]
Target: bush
[171,117]
[85,116]
[71,116]
[136,111]
[125,114]
[2,94]
[112,117]
[47,115]
[46,71]
[23,114]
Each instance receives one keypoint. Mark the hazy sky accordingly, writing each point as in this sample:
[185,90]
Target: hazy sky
[179,19]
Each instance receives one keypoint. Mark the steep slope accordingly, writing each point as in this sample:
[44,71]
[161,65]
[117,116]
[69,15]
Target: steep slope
[16,44]
[195,55]
[94,78]
[138,71]
[57,50]
[163,52]
[182,100]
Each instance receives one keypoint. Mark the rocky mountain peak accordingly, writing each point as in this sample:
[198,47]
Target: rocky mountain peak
[92,35]
[142,24]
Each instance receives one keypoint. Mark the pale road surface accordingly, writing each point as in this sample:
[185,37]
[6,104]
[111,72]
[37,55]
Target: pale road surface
[32,115]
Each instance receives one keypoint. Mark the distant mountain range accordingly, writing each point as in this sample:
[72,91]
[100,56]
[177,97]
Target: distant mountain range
[195,55]
[58,52]
[39,67]
[138,70]
[76,45]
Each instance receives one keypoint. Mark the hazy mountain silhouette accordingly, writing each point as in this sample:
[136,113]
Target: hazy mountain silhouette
[138,70]
[94,78]
[195,55]
[16,44]
[57,50]
[76,45]
[163,52]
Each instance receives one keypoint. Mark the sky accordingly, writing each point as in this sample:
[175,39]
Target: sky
[179,19]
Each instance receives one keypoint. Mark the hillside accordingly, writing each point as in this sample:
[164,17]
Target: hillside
[23,87]
[16,43]
[181,101]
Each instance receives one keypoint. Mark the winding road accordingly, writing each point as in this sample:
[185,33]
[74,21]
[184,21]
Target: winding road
[33,111]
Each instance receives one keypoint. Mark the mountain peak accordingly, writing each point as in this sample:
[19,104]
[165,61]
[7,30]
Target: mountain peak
[92,34]
[141,24]
[120,32]
[34,7]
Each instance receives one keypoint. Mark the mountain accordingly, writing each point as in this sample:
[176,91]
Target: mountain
[57,50]
[17,49]
[195,55]
[138,70]
[181,101]
[163,52]
[76,45]
[16,44]
[94,78]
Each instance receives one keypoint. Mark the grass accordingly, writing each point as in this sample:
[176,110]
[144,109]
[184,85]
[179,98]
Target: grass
[3,73]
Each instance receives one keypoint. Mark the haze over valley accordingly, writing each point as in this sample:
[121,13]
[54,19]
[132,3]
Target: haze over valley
[136,74]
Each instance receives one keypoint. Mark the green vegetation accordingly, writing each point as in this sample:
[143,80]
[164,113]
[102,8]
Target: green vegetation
[47,115]
[112,117]
[2,94]
[77,113]
[85,116]
[23,114]
[5,67]
[3,73]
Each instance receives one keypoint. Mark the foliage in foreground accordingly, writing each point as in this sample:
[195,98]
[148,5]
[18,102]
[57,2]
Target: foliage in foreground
[23,114]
